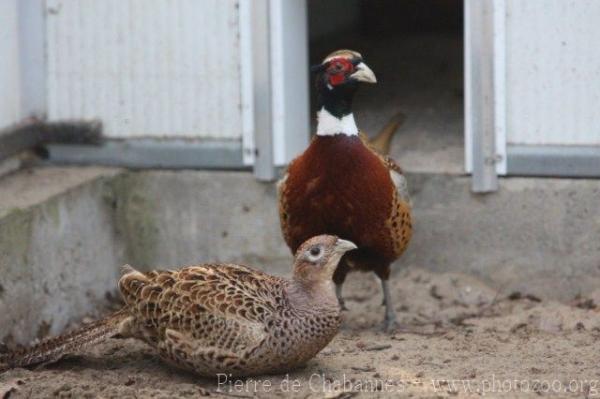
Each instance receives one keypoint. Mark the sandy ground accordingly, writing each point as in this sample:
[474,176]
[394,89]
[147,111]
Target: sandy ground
[467,340]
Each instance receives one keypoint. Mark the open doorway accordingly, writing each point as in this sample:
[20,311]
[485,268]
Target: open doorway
[415,47]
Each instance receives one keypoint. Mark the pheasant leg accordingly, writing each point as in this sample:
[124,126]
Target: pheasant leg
[389,322]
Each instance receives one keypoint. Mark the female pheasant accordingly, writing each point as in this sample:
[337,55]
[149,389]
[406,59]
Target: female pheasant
[341,186]
[220,318]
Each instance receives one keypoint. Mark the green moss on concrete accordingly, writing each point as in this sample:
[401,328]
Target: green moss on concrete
[135,217]
[52,211]
[15,237]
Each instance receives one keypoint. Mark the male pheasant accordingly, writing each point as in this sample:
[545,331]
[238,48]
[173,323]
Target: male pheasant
[219,318]
[340,185]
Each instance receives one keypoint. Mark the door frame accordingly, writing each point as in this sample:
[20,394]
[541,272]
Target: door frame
[485,92]
[276,113]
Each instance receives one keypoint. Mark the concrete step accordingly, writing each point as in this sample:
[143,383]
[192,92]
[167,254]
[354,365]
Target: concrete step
[58,249]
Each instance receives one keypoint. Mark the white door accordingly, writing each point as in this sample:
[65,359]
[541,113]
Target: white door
[532,84]
[280,74]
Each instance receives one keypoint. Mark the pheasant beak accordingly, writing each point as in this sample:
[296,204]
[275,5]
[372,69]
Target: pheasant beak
[343,246]
[364,74]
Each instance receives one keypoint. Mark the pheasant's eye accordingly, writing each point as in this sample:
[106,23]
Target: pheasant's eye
[340,65]
[338,70]
[315,253]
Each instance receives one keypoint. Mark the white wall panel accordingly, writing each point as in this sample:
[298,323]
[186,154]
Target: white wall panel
[32,57]
[10,97]
[152,68]
[553,72]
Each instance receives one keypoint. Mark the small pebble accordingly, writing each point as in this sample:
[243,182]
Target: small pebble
[363,368]
[377,347]
[535,370]
[329,351]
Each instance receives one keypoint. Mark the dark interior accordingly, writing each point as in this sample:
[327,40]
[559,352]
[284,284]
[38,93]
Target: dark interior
[415,47]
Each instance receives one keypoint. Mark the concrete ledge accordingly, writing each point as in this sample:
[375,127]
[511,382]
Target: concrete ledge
[539,236]
[64,232]
[58,250]
[174,218]
[31,187]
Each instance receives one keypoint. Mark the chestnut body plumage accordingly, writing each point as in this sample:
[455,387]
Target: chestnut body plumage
[341,186]
[219,318]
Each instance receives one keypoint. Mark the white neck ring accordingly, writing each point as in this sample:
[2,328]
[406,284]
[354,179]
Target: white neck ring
[329,125]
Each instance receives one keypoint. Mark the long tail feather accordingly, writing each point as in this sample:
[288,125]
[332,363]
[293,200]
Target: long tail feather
[52,349]
[381,142]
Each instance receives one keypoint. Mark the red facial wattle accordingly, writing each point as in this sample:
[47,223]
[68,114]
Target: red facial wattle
[337,79]
[338,70]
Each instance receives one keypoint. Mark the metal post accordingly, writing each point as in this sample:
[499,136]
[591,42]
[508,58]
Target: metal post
[479,55]
[264,165]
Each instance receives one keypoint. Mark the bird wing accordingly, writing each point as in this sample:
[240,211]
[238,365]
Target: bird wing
[399,179]
[396,172]
[399,222]
[220,306]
